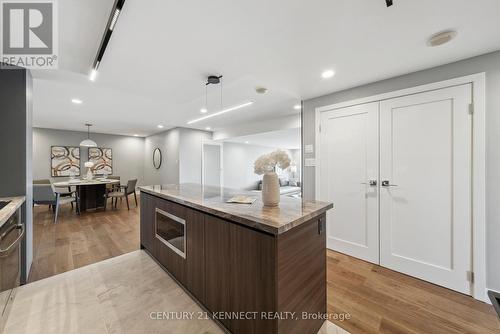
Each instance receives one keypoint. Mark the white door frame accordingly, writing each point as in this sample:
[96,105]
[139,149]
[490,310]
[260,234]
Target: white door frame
[214,143]
[478,82]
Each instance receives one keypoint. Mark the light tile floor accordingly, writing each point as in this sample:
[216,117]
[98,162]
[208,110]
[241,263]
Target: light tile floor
[112,296]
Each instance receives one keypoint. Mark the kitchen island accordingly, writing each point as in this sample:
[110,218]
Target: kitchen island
[254,269]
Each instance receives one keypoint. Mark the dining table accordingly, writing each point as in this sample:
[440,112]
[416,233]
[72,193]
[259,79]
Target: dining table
[91,193]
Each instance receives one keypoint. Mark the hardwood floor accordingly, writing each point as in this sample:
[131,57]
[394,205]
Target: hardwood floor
[76,241]
[380,300]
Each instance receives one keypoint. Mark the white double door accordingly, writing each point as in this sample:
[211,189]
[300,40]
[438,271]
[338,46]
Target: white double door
[399,174]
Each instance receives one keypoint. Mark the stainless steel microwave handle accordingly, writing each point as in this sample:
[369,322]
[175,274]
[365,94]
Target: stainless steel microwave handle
[4,251]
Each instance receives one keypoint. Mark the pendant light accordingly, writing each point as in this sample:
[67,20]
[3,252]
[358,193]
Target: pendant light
[88,142]
[212,80]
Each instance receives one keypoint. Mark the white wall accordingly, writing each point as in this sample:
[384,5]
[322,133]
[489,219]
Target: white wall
[128,152]
[181,151]
[212,164]
[190,151]
[489,63]
[268,125]
[168,143]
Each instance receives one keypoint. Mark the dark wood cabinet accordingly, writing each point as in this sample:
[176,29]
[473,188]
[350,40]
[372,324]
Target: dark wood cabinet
[301,259]
[217,266]
[195,256]
[233,269]
[148,203]
[252,284]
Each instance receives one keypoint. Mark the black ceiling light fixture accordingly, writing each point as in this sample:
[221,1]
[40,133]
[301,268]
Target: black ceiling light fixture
[388,3]
[113,18]
[216,80]
[213,80]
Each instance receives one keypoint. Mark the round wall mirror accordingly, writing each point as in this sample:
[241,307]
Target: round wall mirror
[157,158]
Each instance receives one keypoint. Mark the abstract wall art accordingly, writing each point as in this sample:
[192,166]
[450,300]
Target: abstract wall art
[102,159]
[65,161]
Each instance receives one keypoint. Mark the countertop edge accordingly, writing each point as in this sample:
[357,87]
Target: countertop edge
[11,208]
[241,219]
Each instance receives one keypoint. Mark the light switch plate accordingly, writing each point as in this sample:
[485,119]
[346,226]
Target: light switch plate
[311,162]
[309,148]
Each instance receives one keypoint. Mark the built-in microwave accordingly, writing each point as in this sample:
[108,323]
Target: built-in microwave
[171,230]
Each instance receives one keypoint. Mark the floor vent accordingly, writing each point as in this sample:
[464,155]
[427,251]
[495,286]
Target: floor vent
[495,300]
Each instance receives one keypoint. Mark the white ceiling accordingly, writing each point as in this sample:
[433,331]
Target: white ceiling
[283,139]
[161,51]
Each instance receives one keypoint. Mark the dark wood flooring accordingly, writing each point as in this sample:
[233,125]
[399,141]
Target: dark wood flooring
[378,300]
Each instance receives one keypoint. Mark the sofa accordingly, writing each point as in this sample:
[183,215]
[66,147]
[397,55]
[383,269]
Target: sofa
[287,188]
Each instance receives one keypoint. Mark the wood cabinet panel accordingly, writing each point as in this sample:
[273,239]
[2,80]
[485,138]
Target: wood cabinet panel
[195,254]
[252,282]
[147,221]
[302,290]
[217,266]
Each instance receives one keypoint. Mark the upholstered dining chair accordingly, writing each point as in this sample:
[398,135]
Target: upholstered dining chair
[64,198]
[122,192]
[110,187]
[43,194]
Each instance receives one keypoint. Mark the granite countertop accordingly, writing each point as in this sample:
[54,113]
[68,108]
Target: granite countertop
[10,208]
[290,213]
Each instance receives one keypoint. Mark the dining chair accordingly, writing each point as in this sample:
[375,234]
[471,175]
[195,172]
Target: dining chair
[65,197]
[122,192]
[43,194]
[113,185]
[66,192]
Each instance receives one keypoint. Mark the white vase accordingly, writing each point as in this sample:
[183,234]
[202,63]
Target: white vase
[270,189]
[90,175]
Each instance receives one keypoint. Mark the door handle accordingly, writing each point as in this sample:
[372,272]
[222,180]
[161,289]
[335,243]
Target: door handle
[371,183]
[386,183]
[5,251]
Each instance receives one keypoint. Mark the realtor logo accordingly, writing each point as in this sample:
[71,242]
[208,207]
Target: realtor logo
[29,34]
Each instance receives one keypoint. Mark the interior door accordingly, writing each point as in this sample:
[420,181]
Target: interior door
[349,163]
[212,169]
[425,190]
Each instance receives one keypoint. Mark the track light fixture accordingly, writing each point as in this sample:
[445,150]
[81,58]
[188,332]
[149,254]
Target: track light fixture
[388,3]
[113,18]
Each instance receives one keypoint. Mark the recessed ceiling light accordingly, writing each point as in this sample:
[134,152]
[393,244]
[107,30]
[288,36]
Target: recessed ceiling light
[441,38]
[247,142]
[327,74]
[77,101]
[136,135]
[203,110]
[221,112]
[160,126]
[297,107]
[208,128]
